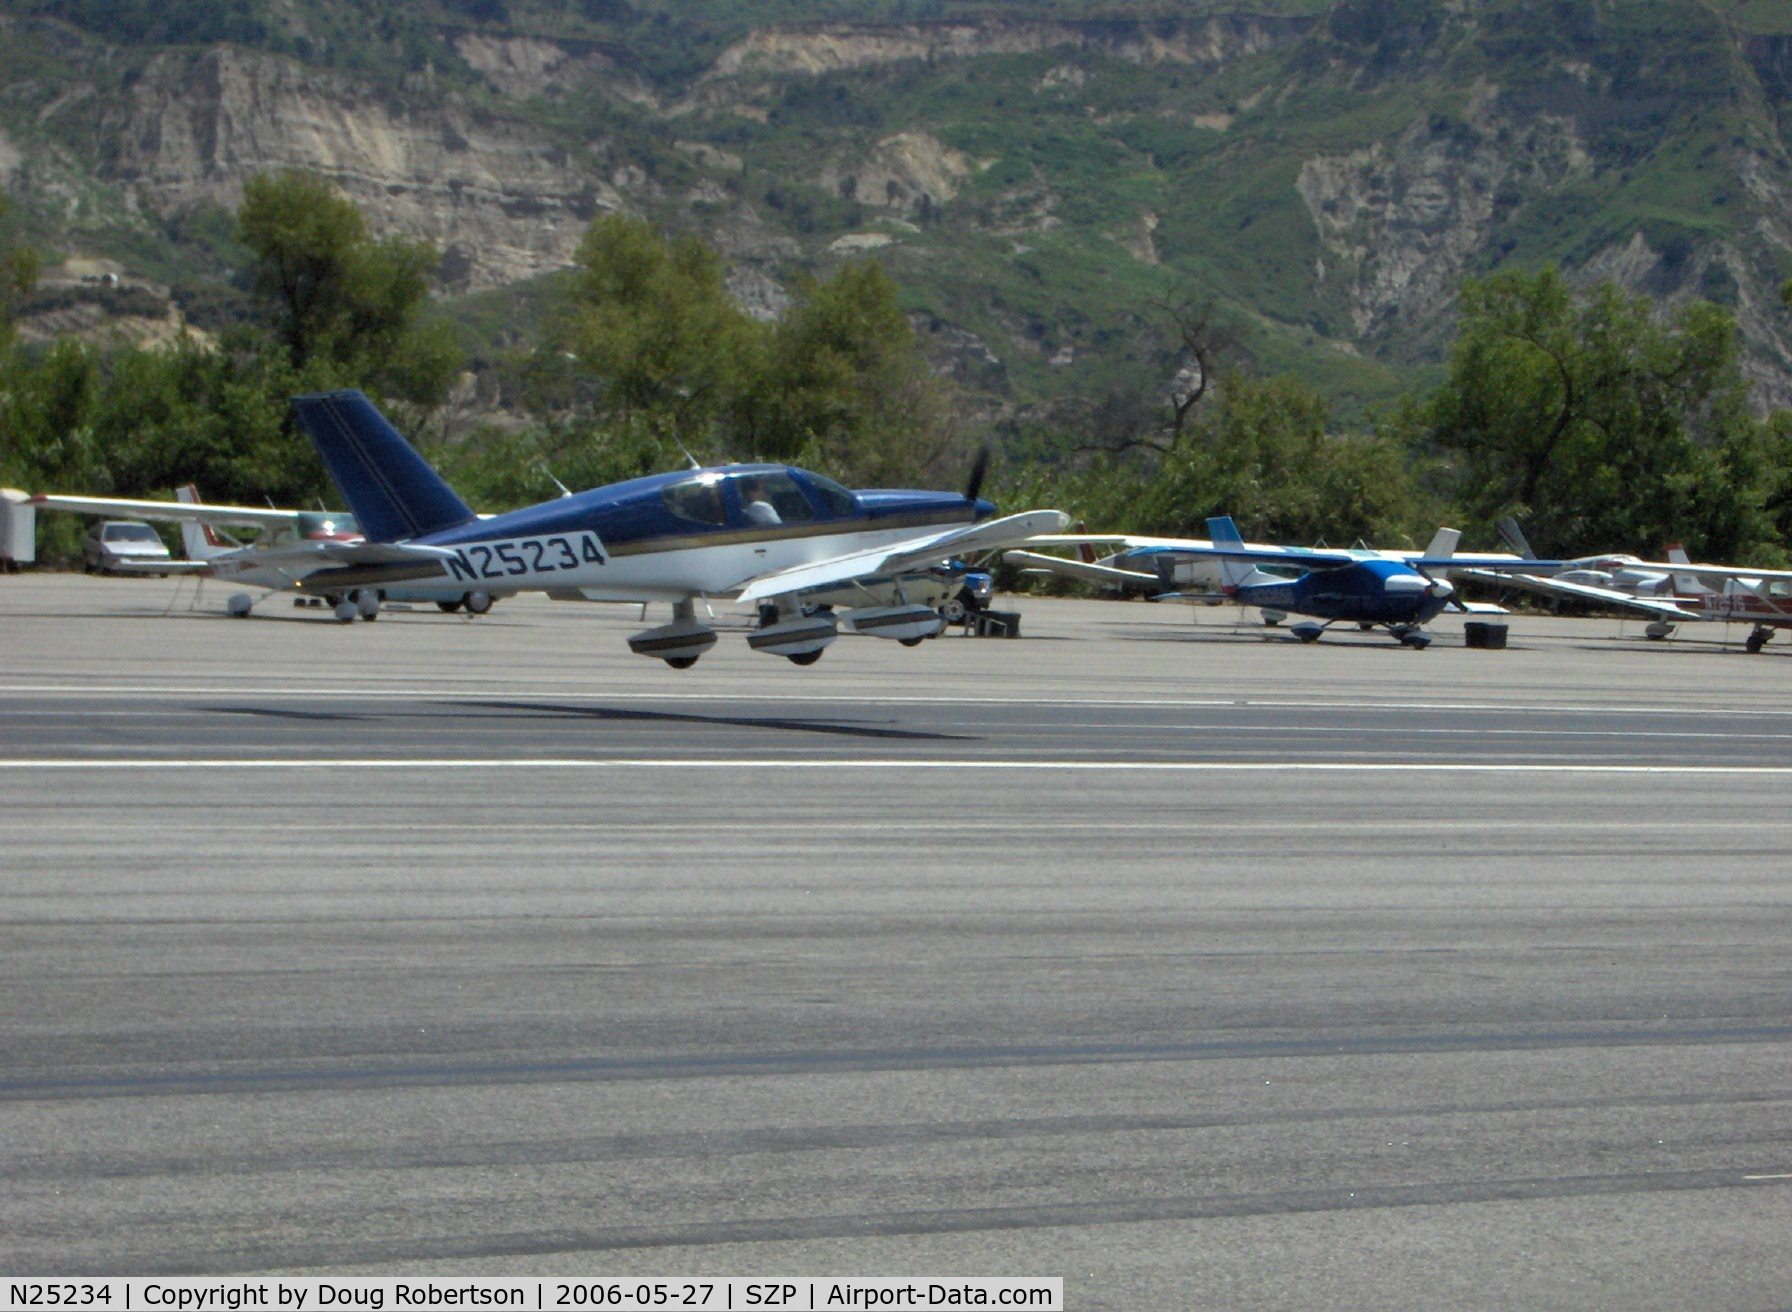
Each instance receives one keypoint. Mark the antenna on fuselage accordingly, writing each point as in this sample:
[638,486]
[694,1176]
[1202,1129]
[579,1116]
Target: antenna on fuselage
[695,464]
[565,491]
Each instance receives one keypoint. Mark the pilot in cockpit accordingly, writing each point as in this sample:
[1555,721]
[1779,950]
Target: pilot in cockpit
[754,505]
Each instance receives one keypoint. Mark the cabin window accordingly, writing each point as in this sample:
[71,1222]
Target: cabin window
[697,499]
[327,524]
[836,501]
[776,489]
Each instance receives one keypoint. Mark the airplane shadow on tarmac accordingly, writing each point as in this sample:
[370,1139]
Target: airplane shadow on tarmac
[637,716]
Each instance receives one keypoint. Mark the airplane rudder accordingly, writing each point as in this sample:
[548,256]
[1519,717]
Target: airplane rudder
[393,491]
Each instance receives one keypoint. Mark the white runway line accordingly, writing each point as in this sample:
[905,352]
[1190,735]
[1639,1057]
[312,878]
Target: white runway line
[836,763]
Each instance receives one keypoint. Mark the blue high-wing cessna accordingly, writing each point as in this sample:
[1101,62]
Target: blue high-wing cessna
[1369,588]
[795,542]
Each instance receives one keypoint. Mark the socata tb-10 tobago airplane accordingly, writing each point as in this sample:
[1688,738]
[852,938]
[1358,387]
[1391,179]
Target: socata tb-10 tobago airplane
[796,543]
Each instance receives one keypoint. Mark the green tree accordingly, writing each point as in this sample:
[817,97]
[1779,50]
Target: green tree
[18,276]
[1601,423]
[846,385]
[348,308]
[1263,455]
[647,337]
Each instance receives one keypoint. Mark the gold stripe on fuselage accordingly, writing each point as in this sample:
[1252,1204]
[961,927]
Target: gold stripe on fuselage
[784,532]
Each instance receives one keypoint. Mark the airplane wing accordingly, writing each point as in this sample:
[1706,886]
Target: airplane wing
[1659,607]
[159,566]
[197,512]
[1097,540]
[1298,557]
[901,557]
[1083,570]
[1716,571]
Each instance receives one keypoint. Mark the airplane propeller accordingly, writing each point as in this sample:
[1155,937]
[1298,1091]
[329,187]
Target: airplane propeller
[979,468]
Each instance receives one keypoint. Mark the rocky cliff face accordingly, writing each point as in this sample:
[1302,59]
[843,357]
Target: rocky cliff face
[1402,221]
[496,166]
[503,201]
[843,47]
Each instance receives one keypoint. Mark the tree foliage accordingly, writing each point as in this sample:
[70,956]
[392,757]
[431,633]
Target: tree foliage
[648,341]
[344,305]
[1597,420]
[18,275]
[1262,453]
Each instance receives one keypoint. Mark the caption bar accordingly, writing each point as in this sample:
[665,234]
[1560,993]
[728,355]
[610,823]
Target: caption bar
[720,1294]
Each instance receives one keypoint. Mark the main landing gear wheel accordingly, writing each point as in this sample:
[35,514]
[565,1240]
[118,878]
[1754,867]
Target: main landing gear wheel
[906,642]
[477,603]
[685,662]
[448,607]
[804,658]
[1756,640]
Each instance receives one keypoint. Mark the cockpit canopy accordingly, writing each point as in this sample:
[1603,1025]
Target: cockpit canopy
[757,495]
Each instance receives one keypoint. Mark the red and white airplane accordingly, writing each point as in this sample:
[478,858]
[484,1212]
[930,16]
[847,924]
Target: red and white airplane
[1669,591]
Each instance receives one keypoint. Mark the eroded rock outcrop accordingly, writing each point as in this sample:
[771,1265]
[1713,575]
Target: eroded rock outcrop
[503,201]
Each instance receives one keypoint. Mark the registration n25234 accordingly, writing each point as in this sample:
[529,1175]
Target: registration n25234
[515,558]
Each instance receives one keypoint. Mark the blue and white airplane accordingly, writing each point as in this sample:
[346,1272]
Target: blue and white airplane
[1396,590]
[814,556]
[1373,589]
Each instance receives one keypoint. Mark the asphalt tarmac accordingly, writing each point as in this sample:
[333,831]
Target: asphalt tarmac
[1150,950]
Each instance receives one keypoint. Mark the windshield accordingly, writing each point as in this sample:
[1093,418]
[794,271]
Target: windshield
[131,533]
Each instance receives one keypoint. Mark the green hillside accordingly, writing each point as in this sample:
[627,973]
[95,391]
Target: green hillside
[1036,175]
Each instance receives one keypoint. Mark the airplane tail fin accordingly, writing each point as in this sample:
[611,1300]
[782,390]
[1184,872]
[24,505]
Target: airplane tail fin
[1514,537]
[200,541]
[1685,583]
[391,489]
[1224,533]
[1443,544]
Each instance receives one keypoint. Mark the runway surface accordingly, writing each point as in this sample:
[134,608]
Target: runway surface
[1200,969]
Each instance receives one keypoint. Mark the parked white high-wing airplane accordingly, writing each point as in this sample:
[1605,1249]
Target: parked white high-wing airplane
[813,555]
[291,545]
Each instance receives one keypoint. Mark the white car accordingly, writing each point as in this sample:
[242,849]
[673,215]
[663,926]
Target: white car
[123,545]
